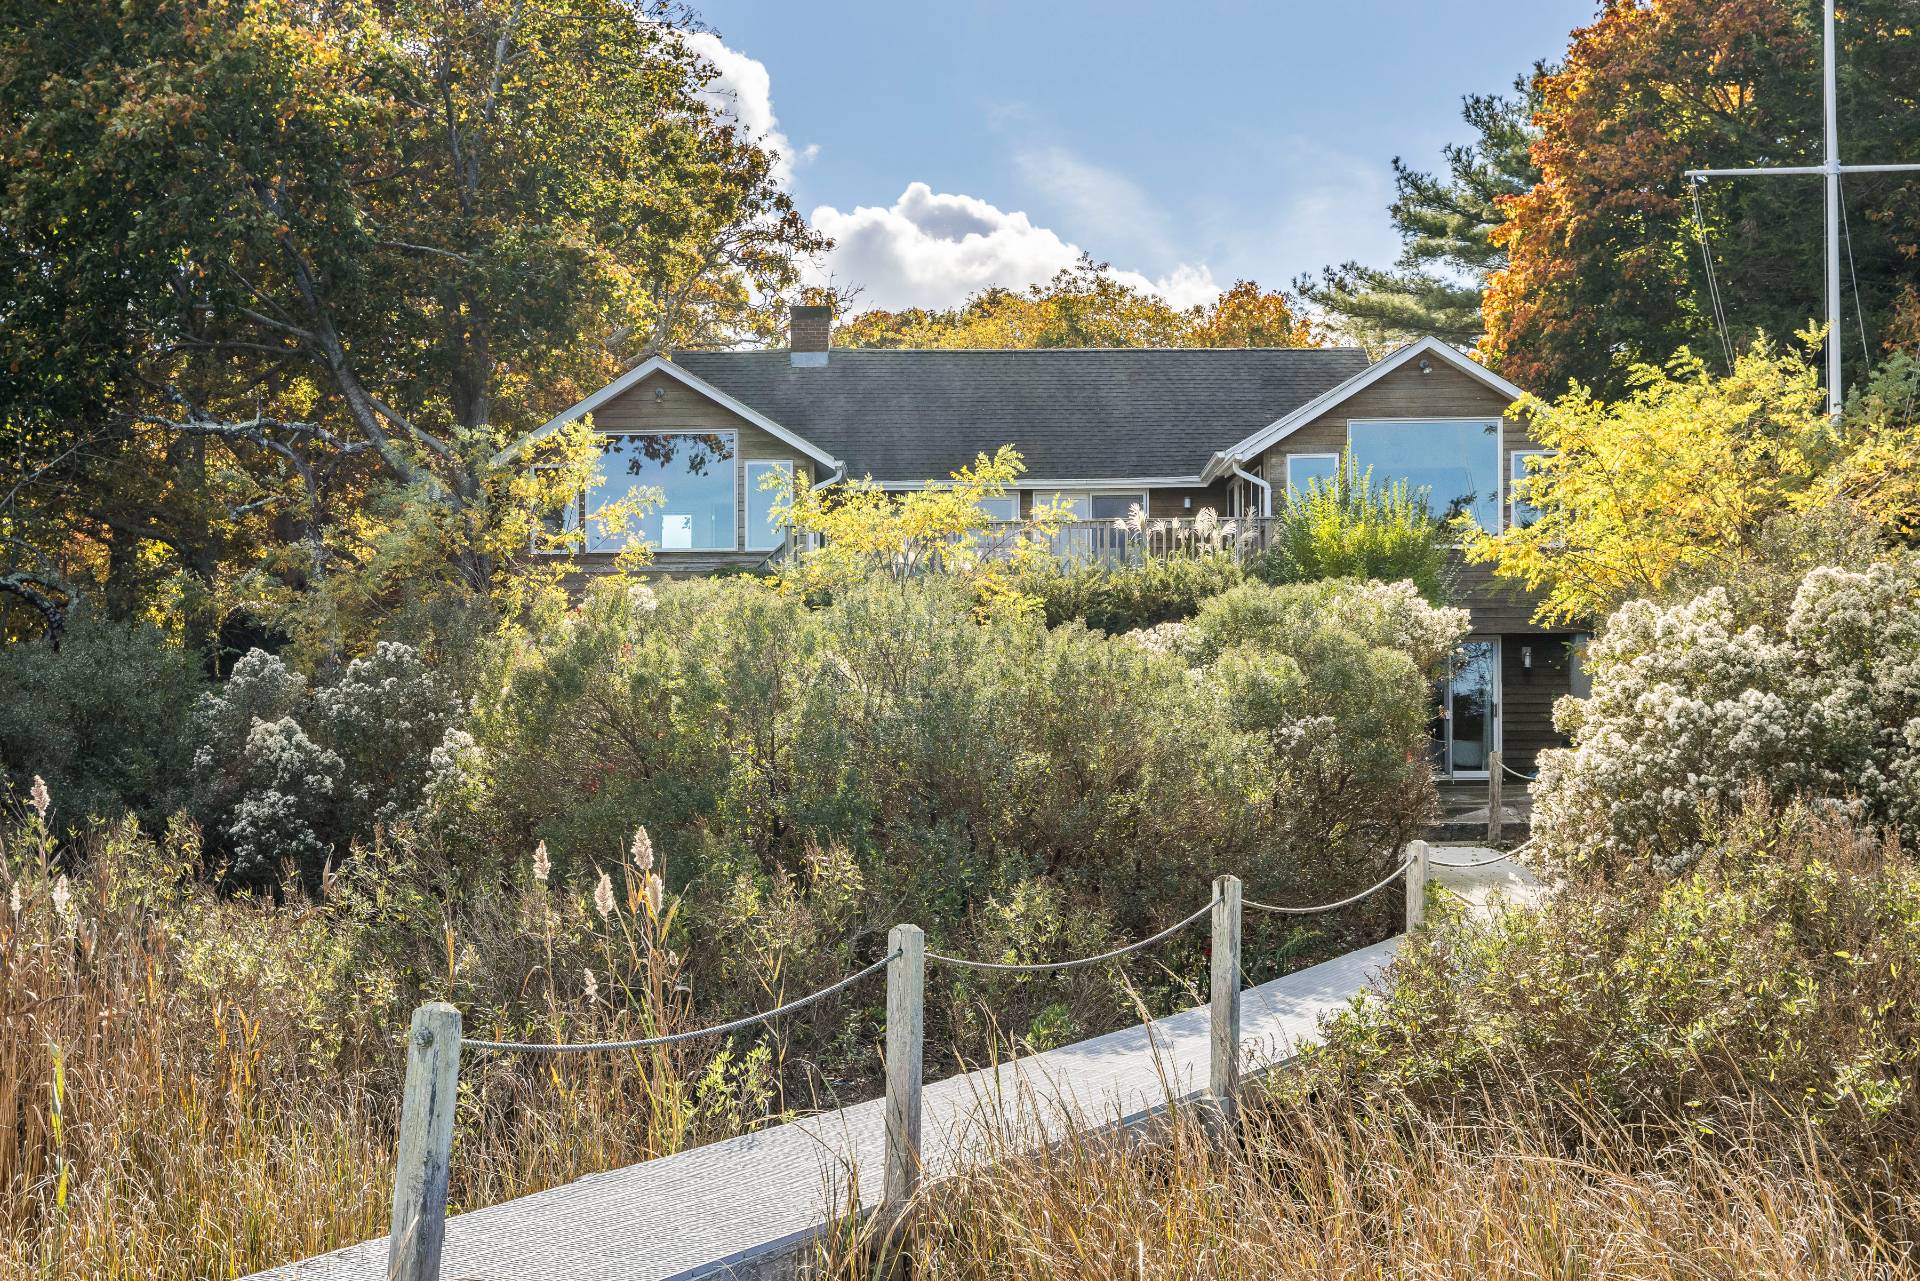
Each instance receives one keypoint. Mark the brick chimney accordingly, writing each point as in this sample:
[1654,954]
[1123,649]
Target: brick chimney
[809,333]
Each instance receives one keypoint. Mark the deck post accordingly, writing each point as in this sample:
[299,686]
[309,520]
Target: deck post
[1416,884]
[1495,769]
[426,1145]
[906,1033]
[1223,1078]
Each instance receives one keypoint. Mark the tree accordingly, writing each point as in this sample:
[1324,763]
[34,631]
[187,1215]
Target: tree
[1351,527]
[1446,227]
[355,251]
[1086,306]
[867,532]
[1681,480]
[1246,316]
[1605,270]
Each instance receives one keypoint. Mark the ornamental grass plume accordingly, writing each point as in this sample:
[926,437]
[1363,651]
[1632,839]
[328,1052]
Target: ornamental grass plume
[603,896]
[542,865]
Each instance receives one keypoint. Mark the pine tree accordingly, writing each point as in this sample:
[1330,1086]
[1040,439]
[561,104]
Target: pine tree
[1445,224]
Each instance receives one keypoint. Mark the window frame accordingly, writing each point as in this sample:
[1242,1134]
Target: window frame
[1513,497]
[734,470]
[1499,425]
[1143,497]
[745,515]
[1318,457]
[1011,496]
[573,518]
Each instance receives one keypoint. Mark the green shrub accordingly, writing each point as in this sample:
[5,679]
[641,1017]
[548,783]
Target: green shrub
[1352,528]
[960,771]
[1774,976]
[1123,598]
[103,718]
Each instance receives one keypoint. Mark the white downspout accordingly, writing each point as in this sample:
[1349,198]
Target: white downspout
[1265,487]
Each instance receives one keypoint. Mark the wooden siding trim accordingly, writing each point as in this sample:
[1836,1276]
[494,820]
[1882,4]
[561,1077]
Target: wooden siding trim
[640,374]
[1264,441]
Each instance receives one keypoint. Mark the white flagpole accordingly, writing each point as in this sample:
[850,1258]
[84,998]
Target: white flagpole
[1834,398]
[1830,169]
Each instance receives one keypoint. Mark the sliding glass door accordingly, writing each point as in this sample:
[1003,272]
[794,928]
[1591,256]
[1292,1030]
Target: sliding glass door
[1466,727]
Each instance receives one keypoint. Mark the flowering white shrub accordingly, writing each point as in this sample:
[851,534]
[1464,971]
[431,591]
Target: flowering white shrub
[290,785]
[287,777]
[1692,708]
[386,716]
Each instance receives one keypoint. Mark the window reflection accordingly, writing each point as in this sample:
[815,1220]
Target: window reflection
[691,473]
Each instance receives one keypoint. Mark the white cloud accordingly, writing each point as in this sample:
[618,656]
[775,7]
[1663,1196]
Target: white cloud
[743,90]
[1101,202]
[932,249]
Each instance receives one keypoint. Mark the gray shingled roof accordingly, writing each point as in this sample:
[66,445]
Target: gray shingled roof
[907,416]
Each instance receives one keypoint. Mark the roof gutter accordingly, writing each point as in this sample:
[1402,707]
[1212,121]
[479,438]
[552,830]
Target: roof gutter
[1265,487]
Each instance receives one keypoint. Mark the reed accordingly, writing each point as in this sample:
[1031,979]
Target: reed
[194,1086]
[1512,1187]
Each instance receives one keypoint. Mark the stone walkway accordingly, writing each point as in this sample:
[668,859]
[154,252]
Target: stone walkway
[750,1206]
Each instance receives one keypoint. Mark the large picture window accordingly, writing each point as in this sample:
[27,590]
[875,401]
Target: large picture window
[1453,465]
[764,533]
[691,473]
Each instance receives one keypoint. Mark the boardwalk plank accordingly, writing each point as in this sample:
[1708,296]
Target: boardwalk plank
[748,1206]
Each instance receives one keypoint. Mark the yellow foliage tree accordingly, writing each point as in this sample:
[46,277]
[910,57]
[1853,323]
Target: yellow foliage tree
[1087,306]
[865,531]
[1681,476]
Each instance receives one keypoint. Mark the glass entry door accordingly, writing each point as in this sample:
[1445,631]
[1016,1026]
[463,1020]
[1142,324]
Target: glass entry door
[1466,728]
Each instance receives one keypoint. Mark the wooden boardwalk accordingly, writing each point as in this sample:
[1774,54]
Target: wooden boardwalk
[751,1206]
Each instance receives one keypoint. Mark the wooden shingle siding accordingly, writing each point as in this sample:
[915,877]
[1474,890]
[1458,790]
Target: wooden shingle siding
[684,409]
[1500,606]
[1528,695]
[1171,504]
[1404,393]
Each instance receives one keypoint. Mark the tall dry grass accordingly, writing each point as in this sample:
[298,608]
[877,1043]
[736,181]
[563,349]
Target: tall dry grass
[199,1087]
[1326,1189]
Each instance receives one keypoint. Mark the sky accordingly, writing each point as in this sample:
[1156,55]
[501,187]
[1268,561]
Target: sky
[950,147]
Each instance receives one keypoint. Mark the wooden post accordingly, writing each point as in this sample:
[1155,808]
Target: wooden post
[906,1032]
[1223,1081]
[426,1145]
[1495,771]
[1416,884]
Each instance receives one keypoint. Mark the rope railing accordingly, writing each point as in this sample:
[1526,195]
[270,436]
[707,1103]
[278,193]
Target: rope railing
[691,1034]
[1487,862]
[431,1090]
[1527,778]
[1348,901]
[1036,967]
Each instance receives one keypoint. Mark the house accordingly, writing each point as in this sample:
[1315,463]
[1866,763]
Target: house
[1101,431]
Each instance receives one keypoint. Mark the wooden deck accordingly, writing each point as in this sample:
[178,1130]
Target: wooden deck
[752,1206]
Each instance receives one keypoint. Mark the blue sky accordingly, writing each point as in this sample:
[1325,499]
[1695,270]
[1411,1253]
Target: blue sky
[951,146]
